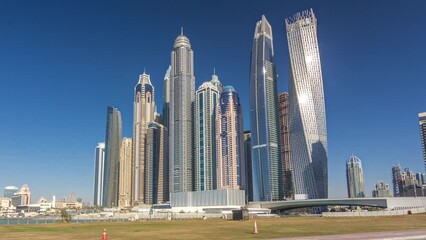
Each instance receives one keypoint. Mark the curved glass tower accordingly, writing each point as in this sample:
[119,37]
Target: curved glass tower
[266,162]
[308,133]
[182,88]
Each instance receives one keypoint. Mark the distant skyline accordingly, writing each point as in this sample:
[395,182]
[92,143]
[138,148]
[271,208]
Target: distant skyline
[63,62]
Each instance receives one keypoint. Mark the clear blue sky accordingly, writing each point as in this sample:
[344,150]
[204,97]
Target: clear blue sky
[63,62]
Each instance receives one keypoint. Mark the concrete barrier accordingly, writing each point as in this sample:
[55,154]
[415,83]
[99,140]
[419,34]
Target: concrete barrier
[374,213]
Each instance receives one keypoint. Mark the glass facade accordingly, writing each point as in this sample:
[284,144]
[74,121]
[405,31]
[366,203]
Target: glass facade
[355,178]
[112,158]
[266,162]
[396,180]
[308,133]
[10,191]
[247,156]
[231,168]
[99,174]
[182,94]
[205,130]
[287,181]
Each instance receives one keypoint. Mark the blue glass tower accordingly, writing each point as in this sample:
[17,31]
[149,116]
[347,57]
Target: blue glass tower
[266,164]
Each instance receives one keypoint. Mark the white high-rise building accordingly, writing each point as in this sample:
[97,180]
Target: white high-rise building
[182,94]
[308,132]
[206,98]
[99,174]
[143,113]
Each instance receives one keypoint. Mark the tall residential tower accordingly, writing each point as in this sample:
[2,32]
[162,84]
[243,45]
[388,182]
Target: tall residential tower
[157,164]
[206,99]
[112,158]
[355,177]
[125,183]
[231,167]
[283,118]
[308,132]
[182,86]
[143,113]
[99,174]
[266,162]
[396,181]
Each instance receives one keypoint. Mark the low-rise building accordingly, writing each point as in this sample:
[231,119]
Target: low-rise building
[381,190]
[68,205]
[5,203]
[202,201]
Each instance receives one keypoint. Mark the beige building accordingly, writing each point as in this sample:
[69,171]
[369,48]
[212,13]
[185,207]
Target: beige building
[5,203]
[143,113]
[25,195]
[74,205]
[230,169]
[125,181]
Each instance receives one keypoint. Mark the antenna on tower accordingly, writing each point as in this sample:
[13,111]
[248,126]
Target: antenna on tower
[181,30]
[214,71]
[144,70]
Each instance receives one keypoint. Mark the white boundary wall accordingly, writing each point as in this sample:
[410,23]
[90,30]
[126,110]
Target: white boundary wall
[374,213]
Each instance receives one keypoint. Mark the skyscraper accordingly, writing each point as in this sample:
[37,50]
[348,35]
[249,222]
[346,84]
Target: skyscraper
[157,164]
[125,183]
[355,177]
[266,162]
[422,124]
[216,82]
[247,156]
[23,196]
[166,97]
[421,179]
[143,113]
[99,174]
[231,169]
[308,132]
[9,191]
[206,99]
[396,180]
[112,157]
[182,86]
[283,119]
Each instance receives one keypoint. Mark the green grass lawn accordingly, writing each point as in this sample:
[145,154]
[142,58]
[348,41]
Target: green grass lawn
[214,229]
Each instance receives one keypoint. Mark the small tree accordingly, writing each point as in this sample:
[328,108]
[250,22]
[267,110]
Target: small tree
[66,217]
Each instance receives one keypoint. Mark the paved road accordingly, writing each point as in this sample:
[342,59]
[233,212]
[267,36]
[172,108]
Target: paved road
[400,235]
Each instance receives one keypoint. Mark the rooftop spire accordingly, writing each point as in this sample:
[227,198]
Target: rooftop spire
[144,70]
[181,30]
[214,71]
